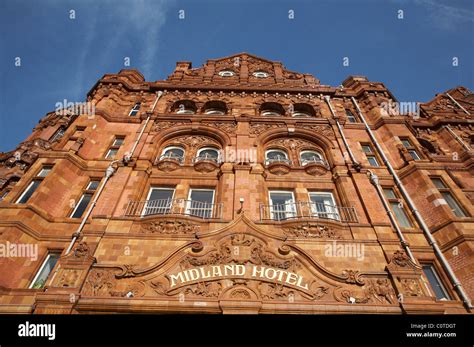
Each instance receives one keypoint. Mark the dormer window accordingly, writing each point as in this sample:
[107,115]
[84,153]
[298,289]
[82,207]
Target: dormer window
[260,74]
[226,73]
[135,109]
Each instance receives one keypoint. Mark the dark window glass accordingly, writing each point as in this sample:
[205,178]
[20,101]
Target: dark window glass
[435,282]
[45,270]
[81,207]
[29,192]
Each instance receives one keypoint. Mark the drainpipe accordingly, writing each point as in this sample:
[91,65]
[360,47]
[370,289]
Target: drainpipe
[454,280]
[128,157]
[457,137]
[355,163]
[375,181]
[108,173]
[457,103]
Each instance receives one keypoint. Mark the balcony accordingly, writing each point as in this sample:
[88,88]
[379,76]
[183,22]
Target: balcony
[184,207]
[169,162]
[278,165]
[315,165]
[307,210]
[206,163]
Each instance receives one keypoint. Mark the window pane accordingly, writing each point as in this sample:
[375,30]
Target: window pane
[93,185]
[209,153]
[400,215]
[159,201]
[161,194]
[367,149]
[44,171]
[282,205]
[323,205]
[406,143]
[389,193]
[414,155]
[438,182]
[435,283]
[372,161]
[111,153]
[118,142]
[29,191]
[174,152]
[201,203]
[310,156]
[81,207]
[453,204]
[40,280]
[276,155]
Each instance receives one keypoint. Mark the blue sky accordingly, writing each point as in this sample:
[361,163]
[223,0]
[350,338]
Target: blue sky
[62,58]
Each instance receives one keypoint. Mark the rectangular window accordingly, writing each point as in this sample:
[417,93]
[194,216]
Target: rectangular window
[397,208]
[28,192]
[201,203]
[448,197]
[113,149]
[282,205]
[370,155]
[323,205]
[85,199]
[411,149]
[350,117]
[159,201]
[134,110]
[42,276]
[435,282]
[4,195]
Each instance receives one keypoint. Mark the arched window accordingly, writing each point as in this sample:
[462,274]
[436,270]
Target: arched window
[276,156]
[184,107]
[303,110]
[208,153]
[226,73]
[215,108]
[173,152]
[260,74]
[271,109]
[307,157]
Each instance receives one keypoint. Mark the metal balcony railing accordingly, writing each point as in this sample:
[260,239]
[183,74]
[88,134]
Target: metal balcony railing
[305,209]
[207,157]
[185,207]
[278,159]
[312,160]
[172,156]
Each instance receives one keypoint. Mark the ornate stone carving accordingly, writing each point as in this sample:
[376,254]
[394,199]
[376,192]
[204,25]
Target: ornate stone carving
[82,250]
[258,128]
[68,278]
[400,259]
[168,164]
[316,168]
[311,230]
[170,227]
[240,294]
[279,168]
[353,276]
[275,291]
[324,130]
[205,165]
[380,290]
[162,125]
[292,75]
[99,282]
[205,289]
[227,127]
[411,287]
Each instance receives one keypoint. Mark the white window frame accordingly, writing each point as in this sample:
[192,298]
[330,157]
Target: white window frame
[310,151]
[77,205]
[275,150]
[198,154]
[25,191]
[226,73]
[268,113]
[189,201]
[260,74]
[442,286]
[214,111]
[148,198]
[41,269]
[292,205]
[301,114]
[173,147]
[133,109]
[108,153]
[330,210]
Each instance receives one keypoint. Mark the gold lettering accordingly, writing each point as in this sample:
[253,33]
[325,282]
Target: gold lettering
[300,280]
[228,268]
[205,274]
[216,271]
[291,278]
[240,270]
[260,272]
[174,278]
[267,273]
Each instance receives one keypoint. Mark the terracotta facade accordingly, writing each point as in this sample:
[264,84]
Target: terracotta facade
[329,247]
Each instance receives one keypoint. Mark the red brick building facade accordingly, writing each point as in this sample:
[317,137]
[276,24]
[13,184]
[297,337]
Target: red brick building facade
[241,187]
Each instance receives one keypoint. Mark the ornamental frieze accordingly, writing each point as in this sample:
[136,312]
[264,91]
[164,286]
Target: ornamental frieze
[169,227]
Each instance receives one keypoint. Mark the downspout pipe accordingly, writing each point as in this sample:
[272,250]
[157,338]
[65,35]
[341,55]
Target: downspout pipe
[454,280]
[128,157]
[355,163]
[108,173]
[456,136]
[457,103]
[375,181]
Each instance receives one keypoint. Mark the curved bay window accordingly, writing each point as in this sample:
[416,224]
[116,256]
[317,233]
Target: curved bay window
[309,157]
[271,109]
[276,156]
[184,107]
[215,108]
[208,154]
[174,153]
